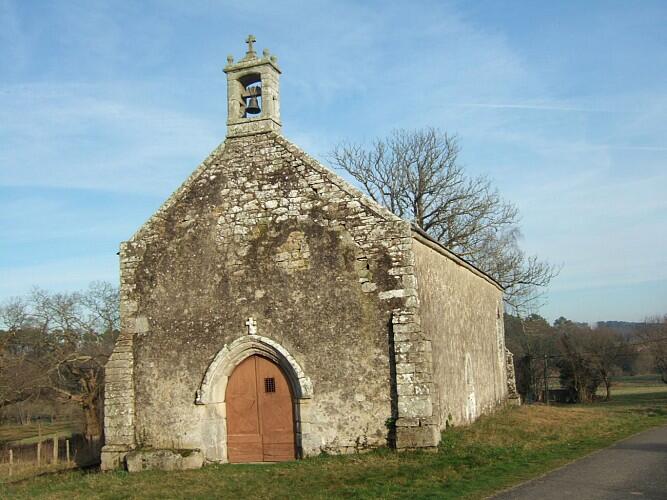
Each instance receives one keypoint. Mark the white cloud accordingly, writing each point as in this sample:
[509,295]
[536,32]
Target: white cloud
[81,136]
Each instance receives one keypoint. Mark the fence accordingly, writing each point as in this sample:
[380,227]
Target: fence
[52,453]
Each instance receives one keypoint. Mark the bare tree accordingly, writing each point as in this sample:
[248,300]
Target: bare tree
[14,314]
[59,348]
[654,338]
[18,369]
[576,369]
[417,175]
[606,351]
[590,357]
[530,339]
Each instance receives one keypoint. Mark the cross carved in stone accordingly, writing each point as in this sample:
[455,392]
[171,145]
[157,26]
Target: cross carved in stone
[252,326]
[250,40]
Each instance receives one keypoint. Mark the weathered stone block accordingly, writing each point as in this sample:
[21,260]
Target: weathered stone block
[167,460]
[111,460]
[392,294]
[405,368]
[415,406]
[421,436]
[406,328]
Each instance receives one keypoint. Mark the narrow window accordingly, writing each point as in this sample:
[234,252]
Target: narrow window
[269,385]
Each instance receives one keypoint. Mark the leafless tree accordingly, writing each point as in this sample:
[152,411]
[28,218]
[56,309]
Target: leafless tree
[606,350]
[14,314]
[576,369]
[590,357]
[654,339]
[17,371]
[532,341]
[417,175]
[57,344]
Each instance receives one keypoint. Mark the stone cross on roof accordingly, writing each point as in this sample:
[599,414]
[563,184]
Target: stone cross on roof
[251,51]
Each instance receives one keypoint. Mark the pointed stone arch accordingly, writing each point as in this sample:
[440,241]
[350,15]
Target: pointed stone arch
[212,391]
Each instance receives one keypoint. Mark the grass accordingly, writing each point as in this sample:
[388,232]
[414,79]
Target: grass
[639,380]
[497,451]
[21,436]
[29,470]
[29,434]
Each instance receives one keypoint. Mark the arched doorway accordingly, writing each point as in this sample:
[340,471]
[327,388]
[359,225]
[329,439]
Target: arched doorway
[260,414]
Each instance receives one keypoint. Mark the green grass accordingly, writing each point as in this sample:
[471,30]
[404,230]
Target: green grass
[496,452]
[651,380]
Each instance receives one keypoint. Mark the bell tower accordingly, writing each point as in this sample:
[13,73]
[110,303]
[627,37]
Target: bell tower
[253,93]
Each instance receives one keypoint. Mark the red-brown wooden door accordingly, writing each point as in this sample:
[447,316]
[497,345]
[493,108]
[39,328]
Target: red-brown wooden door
[260,416]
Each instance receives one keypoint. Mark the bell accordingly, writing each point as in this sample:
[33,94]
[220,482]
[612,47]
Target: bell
[253,106]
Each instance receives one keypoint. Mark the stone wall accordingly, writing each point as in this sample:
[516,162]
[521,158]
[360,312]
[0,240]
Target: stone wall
[461,311]
[513,395]
[261,230]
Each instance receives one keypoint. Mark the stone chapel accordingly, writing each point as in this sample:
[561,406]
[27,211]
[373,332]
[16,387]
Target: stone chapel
[271,311]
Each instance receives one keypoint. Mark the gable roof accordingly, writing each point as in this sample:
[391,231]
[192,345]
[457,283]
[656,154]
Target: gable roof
[176,196]
[332,177]
[218,152]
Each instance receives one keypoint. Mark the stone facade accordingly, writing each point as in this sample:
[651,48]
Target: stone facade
[261,230]
[461,312]
[336,288]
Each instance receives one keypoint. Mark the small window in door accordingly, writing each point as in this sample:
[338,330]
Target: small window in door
[269,385]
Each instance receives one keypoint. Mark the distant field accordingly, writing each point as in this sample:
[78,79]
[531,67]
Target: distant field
[499,450]
[28,434]
[651,378]
[639,380]
[639,384]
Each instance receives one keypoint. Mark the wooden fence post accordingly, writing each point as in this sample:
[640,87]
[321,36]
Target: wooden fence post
[67,450]
[11,461]
[55,450]
[39,453]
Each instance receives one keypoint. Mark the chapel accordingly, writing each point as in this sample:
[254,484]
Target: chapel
[271,311]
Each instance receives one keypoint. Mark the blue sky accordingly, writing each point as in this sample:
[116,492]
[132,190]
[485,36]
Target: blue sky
[106,107]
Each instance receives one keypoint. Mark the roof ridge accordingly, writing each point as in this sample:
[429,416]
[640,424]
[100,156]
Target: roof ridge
[178,193]
[336,179]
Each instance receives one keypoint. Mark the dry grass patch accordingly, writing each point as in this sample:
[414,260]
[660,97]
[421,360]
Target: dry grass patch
[531,425]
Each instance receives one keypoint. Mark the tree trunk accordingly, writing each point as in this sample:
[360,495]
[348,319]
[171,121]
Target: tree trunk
[93,425]
[19,414]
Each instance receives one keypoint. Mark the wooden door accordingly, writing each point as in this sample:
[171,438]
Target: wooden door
[260,416]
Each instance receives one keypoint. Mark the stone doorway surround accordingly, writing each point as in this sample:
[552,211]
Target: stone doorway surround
[212,391]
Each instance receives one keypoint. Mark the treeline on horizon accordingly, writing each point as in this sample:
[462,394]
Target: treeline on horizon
[577,360]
